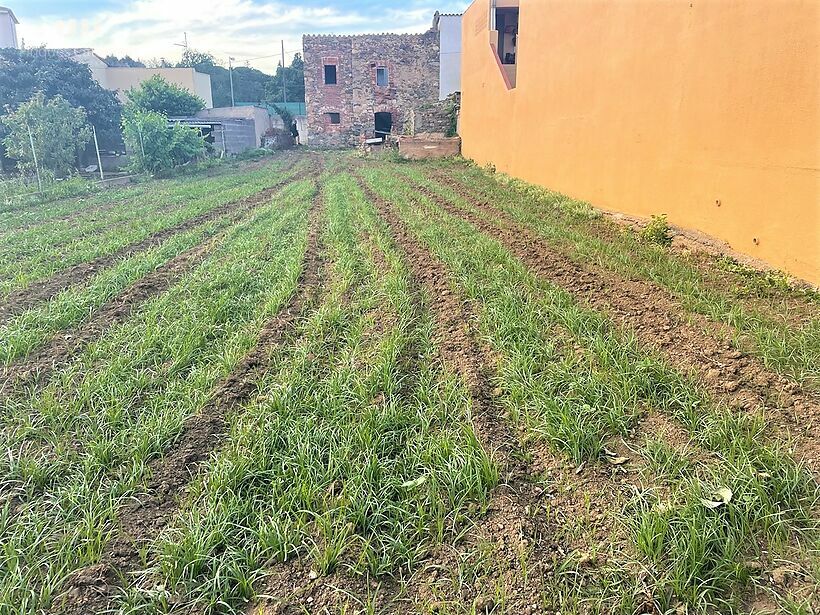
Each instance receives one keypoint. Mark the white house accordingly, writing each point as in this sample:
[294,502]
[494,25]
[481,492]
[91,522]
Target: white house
[8,28]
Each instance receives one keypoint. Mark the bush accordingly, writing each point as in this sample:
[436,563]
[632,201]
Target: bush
[59,132]
[157,146]
[157,95]
[657,231]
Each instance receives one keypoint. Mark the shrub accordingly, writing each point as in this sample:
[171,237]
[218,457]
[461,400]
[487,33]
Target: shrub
[657,231]
[156,94]
[155,145]
[58,130]
[287,116]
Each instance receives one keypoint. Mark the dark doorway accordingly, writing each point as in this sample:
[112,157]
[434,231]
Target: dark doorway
[384,124]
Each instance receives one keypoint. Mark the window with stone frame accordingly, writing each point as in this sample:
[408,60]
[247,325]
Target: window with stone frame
[330,74]
[334,118]
[382,77]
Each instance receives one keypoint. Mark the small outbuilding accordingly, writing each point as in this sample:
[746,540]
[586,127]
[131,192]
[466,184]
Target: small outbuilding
[228,136]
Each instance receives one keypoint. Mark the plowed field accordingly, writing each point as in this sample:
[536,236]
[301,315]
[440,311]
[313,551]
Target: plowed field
[328,384]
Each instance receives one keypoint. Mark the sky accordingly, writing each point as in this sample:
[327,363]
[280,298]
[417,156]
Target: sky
[248,30]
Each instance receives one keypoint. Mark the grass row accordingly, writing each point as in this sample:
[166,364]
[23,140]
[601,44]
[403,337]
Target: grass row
[576,229]
[575,380]
[72,306]
[80,449]
[15,217]
[357,452]
[34,254]
[66,219]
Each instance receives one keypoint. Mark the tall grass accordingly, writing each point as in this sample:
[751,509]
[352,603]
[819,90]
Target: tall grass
[358,451]
[572,377]
[78,451]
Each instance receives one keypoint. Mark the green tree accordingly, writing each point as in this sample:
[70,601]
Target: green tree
[294,76]
[156,145]
[112,60]
[26,72]
[249,84]
[58,130]
[156,94]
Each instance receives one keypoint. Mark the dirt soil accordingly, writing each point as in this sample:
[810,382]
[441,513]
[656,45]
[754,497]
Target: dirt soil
[93,589]
[690,342]
[524,515]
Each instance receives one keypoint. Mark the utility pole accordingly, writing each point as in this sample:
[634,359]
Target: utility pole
[284,91]
[230,74]
[184,43]
[99,159]
[34,155]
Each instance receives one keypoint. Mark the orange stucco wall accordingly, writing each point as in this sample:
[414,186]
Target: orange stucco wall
[662,106]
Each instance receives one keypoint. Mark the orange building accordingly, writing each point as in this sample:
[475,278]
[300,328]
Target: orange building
[706,110]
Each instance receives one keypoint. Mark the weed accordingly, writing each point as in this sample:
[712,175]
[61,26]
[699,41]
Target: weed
[657,231]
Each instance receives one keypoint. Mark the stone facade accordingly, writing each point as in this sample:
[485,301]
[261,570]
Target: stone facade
[412,65]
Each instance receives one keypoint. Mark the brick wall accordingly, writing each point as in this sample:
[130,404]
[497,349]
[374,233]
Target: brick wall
[412,63]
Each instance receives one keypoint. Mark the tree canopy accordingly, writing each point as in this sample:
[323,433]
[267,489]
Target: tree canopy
[23,73]
[126,60]
[157,95]
[250,84]
[157,146]
[294,76]
[57,130]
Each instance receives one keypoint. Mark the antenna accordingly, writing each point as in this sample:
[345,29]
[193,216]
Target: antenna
[184,43]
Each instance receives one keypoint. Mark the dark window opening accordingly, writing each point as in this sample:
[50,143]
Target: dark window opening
[381,77]
[330,74]
[335,118]
[384,124]
[506,23]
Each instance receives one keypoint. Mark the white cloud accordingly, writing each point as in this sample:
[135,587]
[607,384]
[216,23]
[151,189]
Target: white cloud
[244,29]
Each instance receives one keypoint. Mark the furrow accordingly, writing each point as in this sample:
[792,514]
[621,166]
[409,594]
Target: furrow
[38,292]
[94,589]
[39,366]
[658,322]
[524,514]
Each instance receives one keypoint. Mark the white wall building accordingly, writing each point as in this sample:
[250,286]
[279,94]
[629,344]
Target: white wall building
[449,27]
[8,28]
[120,79]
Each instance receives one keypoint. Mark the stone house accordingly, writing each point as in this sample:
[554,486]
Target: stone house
[372,85]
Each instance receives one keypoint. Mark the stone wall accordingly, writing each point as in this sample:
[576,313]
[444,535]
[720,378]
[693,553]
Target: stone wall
[412,63]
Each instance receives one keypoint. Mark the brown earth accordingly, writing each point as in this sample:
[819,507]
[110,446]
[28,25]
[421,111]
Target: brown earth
[690,342]
[94,589]
[524,515]
[39,291]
